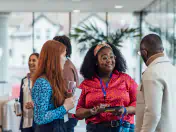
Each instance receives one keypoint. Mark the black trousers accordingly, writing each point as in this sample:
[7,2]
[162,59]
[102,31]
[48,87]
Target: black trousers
[55,126]
[30,129]
[70,124]
[101,128]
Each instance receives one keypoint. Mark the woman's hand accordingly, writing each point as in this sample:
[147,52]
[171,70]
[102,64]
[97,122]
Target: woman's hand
[120,112]
[69,103]
[86,113]
[29,105]
[19,115]
[97,110]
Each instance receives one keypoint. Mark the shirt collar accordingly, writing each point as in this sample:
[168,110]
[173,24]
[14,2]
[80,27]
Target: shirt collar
[153,57]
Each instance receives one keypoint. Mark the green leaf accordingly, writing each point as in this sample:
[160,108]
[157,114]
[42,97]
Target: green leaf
[89,34]
[74,35]
[78,30]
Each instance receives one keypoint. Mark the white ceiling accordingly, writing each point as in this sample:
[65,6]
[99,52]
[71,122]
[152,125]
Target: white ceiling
[70,5]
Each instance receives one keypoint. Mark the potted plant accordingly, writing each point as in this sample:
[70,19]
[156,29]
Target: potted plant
[89,34]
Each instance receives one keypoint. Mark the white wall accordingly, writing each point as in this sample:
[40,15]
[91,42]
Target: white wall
[43,25]
[23,46]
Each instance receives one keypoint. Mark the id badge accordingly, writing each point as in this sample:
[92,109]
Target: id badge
[66,117]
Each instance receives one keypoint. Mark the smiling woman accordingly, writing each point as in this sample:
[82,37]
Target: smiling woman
[33,62]
[106,85]
[26,124]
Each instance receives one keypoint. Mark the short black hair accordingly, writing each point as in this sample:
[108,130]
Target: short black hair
[89,68]
[36,54]
[66,41]
[152,42]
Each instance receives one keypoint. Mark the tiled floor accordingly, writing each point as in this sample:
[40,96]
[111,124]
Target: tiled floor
[81,126]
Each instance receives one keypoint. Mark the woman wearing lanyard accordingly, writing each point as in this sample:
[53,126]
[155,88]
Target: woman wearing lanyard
[26,124]
[106,85]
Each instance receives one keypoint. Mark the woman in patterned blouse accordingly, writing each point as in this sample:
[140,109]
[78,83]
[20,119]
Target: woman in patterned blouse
[49,91]
[106,85]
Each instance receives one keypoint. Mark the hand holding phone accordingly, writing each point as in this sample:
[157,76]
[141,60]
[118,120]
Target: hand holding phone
[113,109]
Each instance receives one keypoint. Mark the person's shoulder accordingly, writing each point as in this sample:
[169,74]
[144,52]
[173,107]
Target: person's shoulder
[70,63]
[42,84]
[121,75]
[128,79]
[86,83]
[151,73]
[24,78]
[42,81]
[124,74]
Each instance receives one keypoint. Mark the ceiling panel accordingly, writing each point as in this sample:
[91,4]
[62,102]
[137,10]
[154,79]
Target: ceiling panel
[70,5]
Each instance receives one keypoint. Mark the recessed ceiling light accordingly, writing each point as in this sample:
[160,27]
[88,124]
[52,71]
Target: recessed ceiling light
[76,11]
[118,6]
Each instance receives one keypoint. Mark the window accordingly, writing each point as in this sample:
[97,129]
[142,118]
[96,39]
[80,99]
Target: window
[10,52]
[48,33]
[23,59]
[37,32]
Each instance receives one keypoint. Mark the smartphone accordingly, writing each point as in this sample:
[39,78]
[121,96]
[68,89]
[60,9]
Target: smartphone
[112,109]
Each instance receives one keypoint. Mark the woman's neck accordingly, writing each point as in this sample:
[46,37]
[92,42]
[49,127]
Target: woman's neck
[31,74]
[104,76]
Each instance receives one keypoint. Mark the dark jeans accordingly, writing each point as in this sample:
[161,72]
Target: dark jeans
[55,126]
[101,128]
[70,124]
[30,129]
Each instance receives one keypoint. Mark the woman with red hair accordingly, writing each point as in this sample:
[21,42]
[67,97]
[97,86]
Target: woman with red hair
[49,93]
